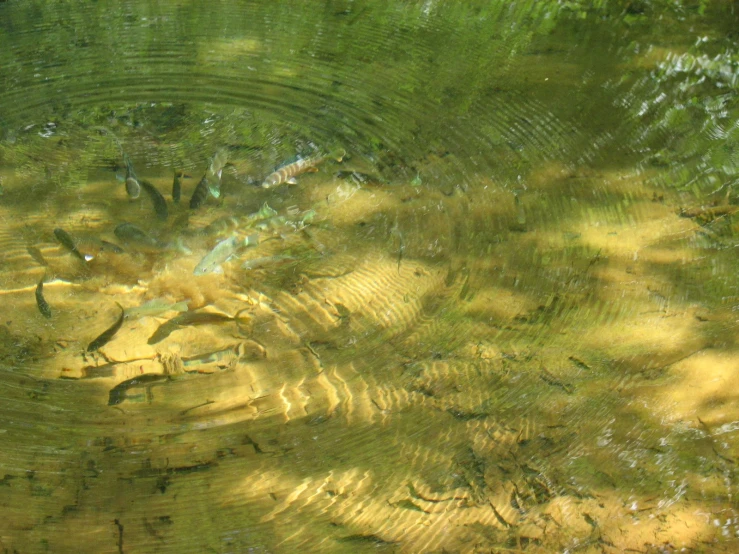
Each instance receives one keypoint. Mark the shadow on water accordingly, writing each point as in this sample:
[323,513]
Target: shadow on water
[507,323]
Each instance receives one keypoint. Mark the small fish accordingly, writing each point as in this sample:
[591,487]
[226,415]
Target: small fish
[37,256]
[212,357]
[66,240]
[214,185]
[308,216]
[162,332]
[128,233]
[133,187]
[222,252]
[43,306]
[160,204]
[177,187]
[272,224]
[228,224]
[282,225]
[106,246]
[265,212]
[108,334]
[190,318]
[221,226]
[155,307]
[361,179]
[119,393]
[131,235]
[215,170]
[287,173]
[181,223]
[218,161]
[204,318]
[200,194]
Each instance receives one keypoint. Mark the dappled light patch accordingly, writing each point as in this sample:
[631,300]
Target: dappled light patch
[496,310]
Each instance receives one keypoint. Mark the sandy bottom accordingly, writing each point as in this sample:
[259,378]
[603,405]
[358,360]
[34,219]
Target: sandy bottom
[419,373]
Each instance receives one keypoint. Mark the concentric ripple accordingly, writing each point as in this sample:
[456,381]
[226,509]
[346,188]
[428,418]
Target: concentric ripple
[496,313]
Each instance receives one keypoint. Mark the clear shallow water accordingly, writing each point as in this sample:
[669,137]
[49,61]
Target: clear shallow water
[518,333]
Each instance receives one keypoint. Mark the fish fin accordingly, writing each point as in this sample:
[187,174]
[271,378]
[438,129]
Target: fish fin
[292,181]
[88,257]
[311,170]
[218,270]
[252,240]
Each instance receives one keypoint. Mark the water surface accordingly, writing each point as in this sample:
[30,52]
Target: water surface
[504,321]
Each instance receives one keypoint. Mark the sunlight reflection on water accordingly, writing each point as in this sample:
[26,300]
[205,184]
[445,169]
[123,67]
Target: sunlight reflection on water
[489,325]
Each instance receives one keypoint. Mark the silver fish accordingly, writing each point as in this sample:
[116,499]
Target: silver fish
[133,188]
[280,225]
[222,252]
[265,212]
[218,161]
[228,224]
[155,307]
[213,182]
[215,170]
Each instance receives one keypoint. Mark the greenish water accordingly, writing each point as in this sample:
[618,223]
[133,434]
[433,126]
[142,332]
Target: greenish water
[500,316]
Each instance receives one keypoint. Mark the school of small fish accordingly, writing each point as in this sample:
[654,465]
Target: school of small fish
[230,237]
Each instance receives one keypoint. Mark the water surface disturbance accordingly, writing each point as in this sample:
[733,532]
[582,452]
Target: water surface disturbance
[361,276]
